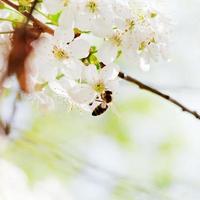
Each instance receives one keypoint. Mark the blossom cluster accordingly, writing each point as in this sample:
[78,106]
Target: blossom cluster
[80,61]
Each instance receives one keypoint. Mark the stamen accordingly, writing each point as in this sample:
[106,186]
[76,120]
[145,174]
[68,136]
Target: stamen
[92,6]
[59,53]
[99,87]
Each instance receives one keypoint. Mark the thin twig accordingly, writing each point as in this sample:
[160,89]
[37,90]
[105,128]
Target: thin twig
[9,124]
[31,11]
[2,128]
[37,23]
[157,92]
[130,79]
[5,127]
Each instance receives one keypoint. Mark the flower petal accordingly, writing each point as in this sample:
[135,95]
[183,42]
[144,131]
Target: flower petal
[82,94]
[144,64]
[83,22]
[58,89]
[79,48]
[112,85]
[66,20]
[107,53]
[91,74]
[64,35]
[98,30]
[109,72]
[73,69]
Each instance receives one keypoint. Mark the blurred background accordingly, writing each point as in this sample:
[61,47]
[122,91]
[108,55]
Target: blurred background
[144,148]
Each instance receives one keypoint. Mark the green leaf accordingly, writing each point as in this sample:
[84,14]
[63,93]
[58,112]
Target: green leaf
[54,18]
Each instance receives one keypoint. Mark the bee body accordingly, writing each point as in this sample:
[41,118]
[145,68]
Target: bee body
[106,98]
[100,109]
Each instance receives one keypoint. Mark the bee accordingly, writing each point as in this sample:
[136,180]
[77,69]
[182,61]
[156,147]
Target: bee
[106,98]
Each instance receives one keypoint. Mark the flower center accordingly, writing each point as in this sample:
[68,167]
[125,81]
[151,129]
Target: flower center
[66,3]
[99,87]
[59,53]
[92,6]
[116,40]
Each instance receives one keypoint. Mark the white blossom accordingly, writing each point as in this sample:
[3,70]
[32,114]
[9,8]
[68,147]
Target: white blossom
[79,62]
[55,54]
[91,83]
[56,6]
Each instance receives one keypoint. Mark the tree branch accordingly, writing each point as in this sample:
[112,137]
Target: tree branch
[130,79]
[157,92]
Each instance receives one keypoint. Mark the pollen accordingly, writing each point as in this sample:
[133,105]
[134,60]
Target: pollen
[92,6]
[66,3]
[141,18]
[60,54]
[144,44]
[130,24]
[116,40]
[99,87]
[153,14]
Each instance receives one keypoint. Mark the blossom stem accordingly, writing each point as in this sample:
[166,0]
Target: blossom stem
[123,76]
